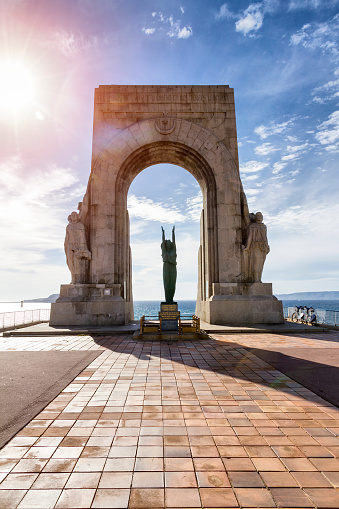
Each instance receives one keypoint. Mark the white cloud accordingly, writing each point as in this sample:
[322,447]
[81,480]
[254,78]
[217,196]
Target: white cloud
[178,32]
[182,9]
[72,44]
[265,149]
[185,32]
[252,192]
[319,100]
[294,173]
[224,12]
[277,167]
[148,31]
[330,85]
[146,208]
[251,20]
[318,36]
[249,177]
[297,148]
[34,205]
[306,218]
[290,157]
[194,207]
[273,128]
[328,133]
[310,4]
[175,28]
[252,166]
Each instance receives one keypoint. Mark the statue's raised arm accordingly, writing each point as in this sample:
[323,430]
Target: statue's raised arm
[83,207]
[169,256]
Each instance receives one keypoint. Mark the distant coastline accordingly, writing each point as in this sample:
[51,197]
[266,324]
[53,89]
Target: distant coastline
[309,296]
[51,298]
[282,296]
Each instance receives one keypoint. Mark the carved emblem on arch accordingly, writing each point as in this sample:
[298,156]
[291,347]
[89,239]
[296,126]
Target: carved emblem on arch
[165,124]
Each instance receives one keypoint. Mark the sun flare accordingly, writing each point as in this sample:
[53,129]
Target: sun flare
[16,85]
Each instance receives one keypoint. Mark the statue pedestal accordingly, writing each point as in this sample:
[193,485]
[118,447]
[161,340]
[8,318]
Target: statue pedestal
[241,303]
[91,305]
[169,316]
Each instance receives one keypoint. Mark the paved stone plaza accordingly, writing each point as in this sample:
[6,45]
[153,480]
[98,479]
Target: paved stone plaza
[179,425]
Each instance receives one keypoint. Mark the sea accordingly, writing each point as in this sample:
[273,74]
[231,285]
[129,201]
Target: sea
[327,310]
[151,308]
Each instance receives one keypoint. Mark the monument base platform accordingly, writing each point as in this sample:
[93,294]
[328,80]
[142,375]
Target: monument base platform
[90,305]
[245,303]
[170,336]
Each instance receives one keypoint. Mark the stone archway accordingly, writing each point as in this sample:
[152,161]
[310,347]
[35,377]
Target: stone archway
[193,127]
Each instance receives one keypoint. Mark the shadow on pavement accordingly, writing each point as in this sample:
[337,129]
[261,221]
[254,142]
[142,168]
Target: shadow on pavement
[317,369]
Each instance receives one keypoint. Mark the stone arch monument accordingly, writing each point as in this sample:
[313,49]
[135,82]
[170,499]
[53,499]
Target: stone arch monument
[190,126]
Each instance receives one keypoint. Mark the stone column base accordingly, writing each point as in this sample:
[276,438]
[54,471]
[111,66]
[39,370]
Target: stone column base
[90,305]
[241,303]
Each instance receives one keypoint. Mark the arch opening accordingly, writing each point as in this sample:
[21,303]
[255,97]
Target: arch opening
[190,160]
[164,195]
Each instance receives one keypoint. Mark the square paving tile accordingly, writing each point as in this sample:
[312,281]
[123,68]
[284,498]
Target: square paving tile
[146,498]
[50,481]
[323,497]
[111,498]
[180,480]
[218,497]
[18,481]
[10,498]
[40,499]
[83,480]
[149,464]
[212,479]
[311,479]
[177,497]
[279,480]
[178,464]
[115,480]
[148,480]
[245,480]
[59,466]
[254,497]
[291,497]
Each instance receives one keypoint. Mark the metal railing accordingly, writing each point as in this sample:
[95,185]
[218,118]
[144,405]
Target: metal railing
[13,319]
[325,316]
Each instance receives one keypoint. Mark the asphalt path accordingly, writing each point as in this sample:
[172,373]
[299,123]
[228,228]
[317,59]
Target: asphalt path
[31,380]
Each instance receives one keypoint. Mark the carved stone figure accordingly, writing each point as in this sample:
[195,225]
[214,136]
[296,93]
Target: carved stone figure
[256,249]
[169,257]
[76,249]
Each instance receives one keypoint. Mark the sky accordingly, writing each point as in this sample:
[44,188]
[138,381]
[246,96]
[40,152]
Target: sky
[280,56]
